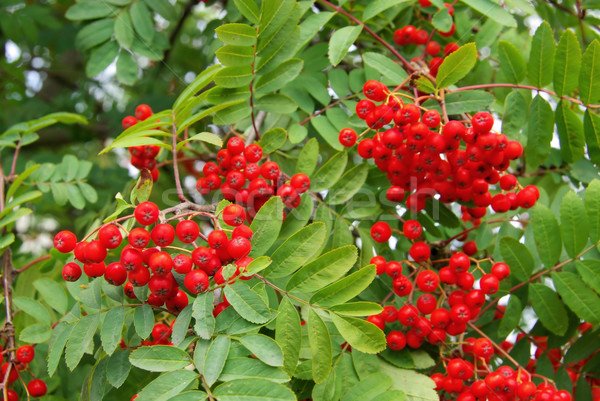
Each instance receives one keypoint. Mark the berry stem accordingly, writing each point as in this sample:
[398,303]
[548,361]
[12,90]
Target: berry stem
[378,38]
[28,265]
[496,346]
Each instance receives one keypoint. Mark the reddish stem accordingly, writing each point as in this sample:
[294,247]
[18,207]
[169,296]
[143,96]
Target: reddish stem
[28,265]
[378,38]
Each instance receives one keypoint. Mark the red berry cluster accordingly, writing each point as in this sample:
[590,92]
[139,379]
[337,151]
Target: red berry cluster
[142,156]
[447,315]
[241,179]
[141,263]
[24,356]
[425,158]
[472,379]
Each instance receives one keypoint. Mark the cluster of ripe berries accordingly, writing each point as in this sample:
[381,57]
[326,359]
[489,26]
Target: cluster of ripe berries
[140,263]
[241,179]
[24,355]
[472,381]
[432,317]
[425,158]
[142,157]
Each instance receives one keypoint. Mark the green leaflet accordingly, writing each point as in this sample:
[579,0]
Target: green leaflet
[360,334]
[574,226]
[320,346]
[296,250]
[546,233]
[541,57]
[548,308]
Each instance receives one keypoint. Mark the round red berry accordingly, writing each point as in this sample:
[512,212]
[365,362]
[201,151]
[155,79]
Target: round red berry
[65,241]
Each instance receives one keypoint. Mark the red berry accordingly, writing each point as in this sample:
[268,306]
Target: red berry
[161,333]
[115,274]
[25,353]
[269,170]
[459,262]
[419,251]
[375,90]
[234,215]
[300,182]
[163,234]
[431,118]
[187,231]
[427,281]
[139,277]
[217,239]
[238,247]
[71,272]
[381,231]
[196,281]
[142,112]
[433,48]
[412,229]
[395,194]
[37,388]
[182,264]
[396,340]
[377,321]
[65,241]
[178,302]
[235,145]
[94,269]
[146,213]
[160,263]
[347,137]
[380,264]
[450,48]
[110,236]
[500,270]
[489,284]
[253,153]
[139,238]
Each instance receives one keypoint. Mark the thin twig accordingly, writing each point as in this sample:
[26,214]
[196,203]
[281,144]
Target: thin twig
[28,265]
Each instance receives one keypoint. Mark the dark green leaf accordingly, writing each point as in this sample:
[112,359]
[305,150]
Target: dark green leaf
[368,388]
[320,346]
[288,334]
[166,386]
[592,208]
[589,270]
[340,41]
[570,133]
[215,359]
[118,368]
[143,320]
[280,76]
[250,368]
[392,72]
[578,296]
[256,388]
[249,9]
[110,334]
[266,226]
[264,348]
[296,250]
[546,234]
[328,131]
[540,128]
[247,303]
[361,335]
[308,157]
[548,308]
[164,8]
[233,77]
[235,56]
[493,11]
[350,183]
[127,68]
[52,293]
[159,358]
[324,270]
[80,338]
[374,8]
[123,29]
[511,317]
[32,308]
[273,139]
[95,34]
[574,225]
[518,257]
[36,333]
[512,62]
[330,172]
[345,289]
[101,57]
[142,20]
[182,323]
[276,103]
[567,63]
[88,10]
[442,21]
[589,84]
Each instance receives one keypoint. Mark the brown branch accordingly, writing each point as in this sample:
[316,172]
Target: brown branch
[378,38]
[28,265]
